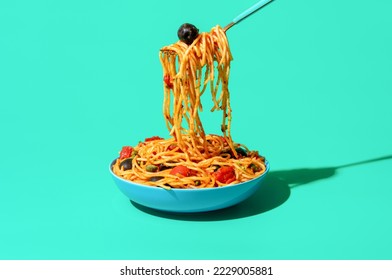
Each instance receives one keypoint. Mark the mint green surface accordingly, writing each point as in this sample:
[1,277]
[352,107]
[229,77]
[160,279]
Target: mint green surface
[311,87]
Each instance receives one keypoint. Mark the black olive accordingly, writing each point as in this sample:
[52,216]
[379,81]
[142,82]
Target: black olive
[126,164]
[156,178]
[187,33]
[113,163]
[241,152]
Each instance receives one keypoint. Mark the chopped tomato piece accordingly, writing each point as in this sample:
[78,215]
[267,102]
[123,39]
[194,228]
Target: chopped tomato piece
[225,174]
[167,81]
[126,152]
[175,147]
[172,147]
[224,140]
[181,170]
[153,138]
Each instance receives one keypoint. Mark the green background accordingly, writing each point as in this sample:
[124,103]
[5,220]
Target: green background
[311,89]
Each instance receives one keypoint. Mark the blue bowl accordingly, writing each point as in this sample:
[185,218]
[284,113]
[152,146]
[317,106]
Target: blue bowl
[188,200]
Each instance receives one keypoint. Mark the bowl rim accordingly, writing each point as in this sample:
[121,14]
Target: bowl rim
[267,165]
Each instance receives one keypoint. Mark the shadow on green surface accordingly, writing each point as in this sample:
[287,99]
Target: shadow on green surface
[276,191]
[302,176]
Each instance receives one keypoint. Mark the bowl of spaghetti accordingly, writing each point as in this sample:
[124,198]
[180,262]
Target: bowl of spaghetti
[177,187]
[191,171]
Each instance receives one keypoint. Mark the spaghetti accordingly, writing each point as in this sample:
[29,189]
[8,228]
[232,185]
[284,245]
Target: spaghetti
[191,158]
